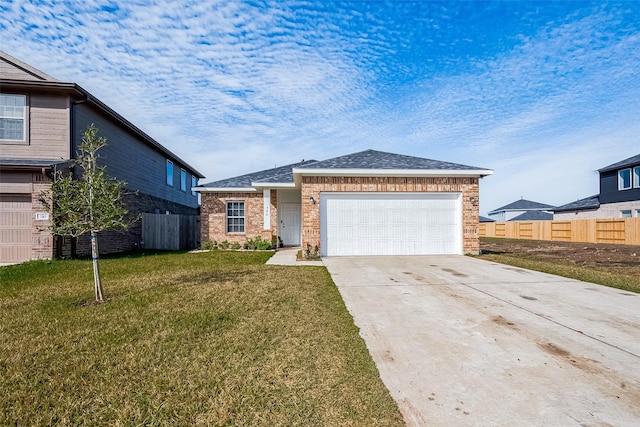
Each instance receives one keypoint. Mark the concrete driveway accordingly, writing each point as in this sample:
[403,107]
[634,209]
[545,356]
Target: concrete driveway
[460,341]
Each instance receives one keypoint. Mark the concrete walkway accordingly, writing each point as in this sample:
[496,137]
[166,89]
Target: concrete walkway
[287,256]
[464,342]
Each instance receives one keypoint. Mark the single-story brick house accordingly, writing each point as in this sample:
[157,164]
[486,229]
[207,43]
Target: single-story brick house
[366,203]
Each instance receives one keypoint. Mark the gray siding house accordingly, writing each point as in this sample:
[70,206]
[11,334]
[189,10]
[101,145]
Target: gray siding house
[619,195]
[41,124]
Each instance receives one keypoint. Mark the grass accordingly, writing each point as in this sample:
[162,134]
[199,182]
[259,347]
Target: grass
[213,338]
[559,262]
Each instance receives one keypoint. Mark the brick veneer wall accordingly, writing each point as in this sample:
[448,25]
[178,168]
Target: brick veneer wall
[214,217]
[41,237]
[312,186]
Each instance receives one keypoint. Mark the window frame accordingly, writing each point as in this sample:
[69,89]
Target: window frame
[194,183]
[230,227]
[169,173]
[621,179]
[25,121]
[183,180]
[626,213]
[635,176]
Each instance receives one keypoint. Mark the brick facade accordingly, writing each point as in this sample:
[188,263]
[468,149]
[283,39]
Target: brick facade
[41,238]
[312,186]
[213,217]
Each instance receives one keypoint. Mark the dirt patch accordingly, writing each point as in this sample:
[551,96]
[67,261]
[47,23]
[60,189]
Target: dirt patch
[499,320]
[617,259]
[455,273]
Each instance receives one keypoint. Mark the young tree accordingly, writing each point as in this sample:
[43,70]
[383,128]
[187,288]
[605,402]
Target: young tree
[89,204]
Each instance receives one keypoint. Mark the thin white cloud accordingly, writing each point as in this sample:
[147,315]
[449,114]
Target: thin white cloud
[229,84]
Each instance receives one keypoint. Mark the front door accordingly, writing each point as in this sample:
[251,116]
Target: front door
[290,225]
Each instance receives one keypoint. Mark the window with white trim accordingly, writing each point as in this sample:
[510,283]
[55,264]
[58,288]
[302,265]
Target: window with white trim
[13,118]
[624,179]
[626,213]
[636,177]
[235,217]
[194,183]
[637,213]
[170,173]
[183,180]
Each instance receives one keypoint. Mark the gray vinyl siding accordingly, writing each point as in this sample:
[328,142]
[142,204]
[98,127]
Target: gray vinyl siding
[131,159]
[47,129]
[609,192]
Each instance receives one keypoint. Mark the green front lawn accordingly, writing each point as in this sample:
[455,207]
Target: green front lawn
[213,338]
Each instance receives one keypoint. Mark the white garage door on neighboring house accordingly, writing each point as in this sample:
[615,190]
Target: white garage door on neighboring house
[15,227]
[390,224]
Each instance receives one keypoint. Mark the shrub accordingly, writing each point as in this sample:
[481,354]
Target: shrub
[206,246]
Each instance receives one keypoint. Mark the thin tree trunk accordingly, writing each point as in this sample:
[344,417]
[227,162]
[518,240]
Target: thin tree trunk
[96,267]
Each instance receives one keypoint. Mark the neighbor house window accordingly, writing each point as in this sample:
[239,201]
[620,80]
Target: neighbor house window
[13,117]
[235,217]
[194,183]
[624,179]
[638,213]
[183,180]
[636,177]
[625,213]
[170,173]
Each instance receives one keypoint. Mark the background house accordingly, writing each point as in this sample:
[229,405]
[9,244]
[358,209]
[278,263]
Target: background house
[619,195]
[522,210]
[41,124]
[366,203]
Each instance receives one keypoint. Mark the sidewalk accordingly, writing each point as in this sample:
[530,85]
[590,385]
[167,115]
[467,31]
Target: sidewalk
[287,256]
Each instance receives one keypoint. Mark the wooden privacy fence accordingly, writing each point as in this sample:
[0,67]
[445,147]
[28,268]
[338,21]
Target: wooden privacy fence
[170,232]
[623,231]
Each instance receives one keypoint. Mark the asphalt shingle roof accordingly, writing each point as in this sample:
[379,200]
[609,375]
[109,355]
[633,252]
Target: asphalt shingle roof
[592,202]
[523,204]
[631,161]
[282,174]
[485,219]
[371,159]
[533,216]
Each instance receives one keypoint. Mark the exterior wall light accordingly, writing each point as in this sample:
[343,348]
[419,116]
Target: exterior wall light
[312,200]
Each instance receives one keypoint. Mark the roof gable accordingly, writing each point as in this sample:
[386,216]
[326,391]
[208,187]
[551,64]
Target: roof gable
[14,69]
[523,204]
[371,159]
[631,161]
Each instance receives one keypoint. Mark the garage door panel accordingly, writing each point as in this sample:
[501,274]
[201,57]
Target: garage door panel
[15,227]
[390,223]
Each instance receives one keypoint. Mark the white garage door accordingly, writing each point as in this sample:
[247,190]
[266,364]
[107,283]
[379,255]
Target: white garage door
[15,227]
[390,224]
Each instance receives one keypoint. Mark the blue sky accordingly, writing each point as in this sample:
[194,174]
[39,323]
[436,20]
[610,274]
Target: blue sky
[544,93]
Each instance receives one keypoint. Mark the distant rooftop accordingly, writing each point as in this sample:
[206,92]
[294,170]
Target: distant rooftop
[533,216]
[592,202]
[523,204]
[631,161]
